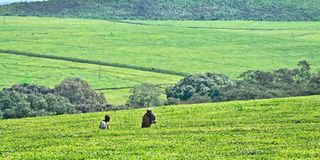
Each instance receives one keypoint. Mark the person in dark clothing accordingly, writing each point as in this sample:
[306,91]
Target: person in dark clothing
[104,123]
[148,119]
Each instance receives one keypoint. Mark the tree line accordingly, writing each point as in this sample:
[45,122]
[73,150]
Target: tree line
[271,10]
[252,84]
[70,96]
[74,95]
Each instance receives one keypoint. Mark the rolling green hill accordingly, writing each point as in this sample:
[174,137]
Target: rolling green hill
[228,47]
[280,10]
[264,129]
[173,46]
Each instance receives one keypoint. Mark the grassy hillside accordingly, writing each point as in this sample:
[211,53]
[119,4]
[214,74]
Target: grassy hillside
[228,47]
[173,46]
[283,10]
[265,129]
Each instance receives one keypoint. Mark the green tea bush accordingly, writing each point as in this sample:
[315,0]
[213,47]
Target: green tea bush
[286,128]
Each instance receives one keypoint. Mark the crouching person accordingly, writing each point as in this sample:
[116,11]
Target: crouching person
[105,123]
[148,119]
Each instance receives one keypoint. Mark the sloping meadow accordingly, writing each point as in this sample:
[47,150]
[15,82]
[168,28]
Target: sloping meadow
[228,47]
[277,128]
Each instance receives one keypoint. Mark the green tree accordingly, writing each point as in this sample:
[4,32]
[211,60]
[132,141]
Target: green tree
[314,83]
[205,85]
[59,105]
[145,95]
[80,94]
[257,77]
[17,102]
[304,68]
[30,100]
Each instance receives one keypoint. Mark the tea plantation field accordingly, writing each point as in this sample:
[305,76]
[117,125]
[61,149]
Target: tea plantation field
[263,129]
[229,47]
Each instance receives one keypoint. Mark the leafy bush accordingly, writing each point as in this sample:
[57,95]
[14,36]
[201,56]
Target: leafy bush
[205,85]
[314,84]
[31,100]
[173,101]
[253,84]
[145,95]
[71,96]
[80,94]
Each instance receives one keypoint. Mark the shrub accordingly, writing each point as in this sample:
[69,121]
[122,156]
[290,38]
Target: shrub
[145,95]
[314,84]
[204,85]
[253,84]
[199,99]
[19,102]
[173,101]
[257,77]
[80,94]
[30,100]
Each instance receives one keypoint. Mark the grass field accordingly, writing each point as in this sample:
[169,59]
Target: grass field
[172,46]
[47,72]
[263,129]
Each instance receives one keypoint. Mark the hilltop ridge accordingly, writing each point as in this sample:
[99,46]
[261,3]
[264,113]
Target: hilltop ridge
[270,10]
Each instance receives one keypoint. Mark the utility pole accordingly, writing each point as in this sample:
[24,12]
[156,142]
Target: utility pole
[99,70]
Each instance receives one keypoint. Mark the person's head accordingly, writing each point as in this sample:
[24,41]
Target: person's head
[107,118]
[149,110]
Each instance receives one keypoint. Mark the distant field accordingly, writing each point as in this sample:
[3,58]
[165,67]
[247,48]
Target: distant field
[228,47]
[181,46]
[19,69]
[263,129]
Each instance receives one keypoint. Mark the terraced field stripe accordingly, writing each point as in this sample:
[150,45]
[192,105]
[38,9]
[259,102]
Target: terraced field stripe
[69,59]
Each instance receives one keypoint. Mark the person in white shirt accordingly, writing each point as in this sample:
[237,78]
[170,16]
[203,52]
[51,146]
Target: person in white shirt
[105,123]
